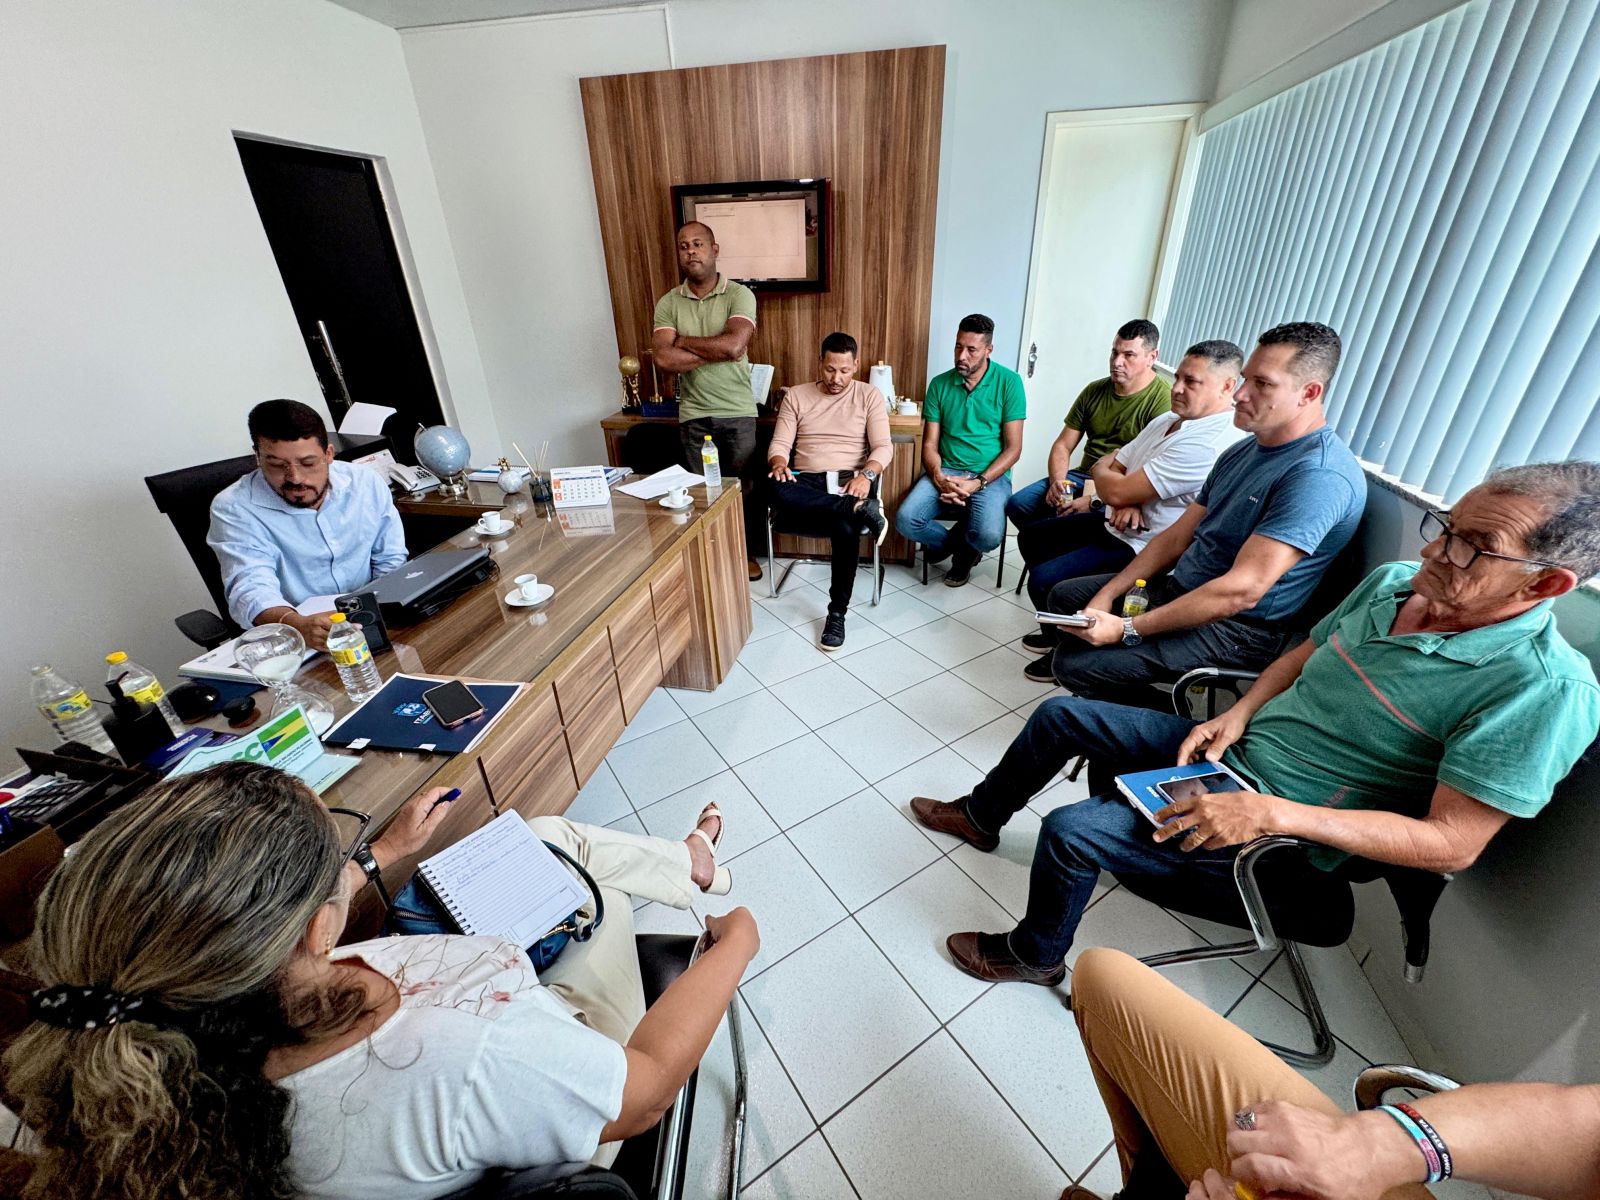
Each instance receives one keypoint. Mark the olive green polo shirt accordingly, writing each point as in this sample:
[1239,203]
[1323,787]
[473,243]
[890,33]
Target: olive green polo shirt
[718,389]
[1109,421]
[969,422]
[1375,721]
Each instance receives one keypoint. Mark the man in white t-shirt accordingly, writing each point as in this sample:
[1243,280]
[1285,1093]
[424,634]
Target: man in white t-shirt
[1143,487]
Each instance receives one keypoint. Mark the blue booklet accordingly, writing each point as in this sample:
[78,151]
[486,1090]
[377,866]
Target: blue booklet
[1151,791]
[397,718]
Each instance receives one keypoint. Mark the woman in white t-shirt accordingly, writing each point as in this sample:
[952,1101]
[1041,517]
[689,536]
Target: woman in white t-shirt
[198,1034]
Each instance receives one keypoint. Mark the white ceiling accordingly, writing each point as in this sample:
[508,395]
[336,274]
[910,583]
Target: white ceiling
[409,14]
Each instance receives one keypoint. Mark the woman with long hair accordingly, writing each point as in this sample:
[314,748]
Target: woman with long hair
[198,1035]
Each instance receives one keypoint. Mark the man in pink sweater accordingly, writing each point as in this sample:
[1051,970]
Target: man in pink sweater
[829,449]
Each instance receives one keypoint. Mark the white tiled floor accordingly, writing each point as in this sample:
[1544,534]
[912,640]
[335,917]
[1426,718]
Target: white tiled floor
[877,1069]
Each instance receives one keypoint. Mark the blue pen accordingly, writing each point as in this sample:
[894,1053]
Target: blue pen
[452,794]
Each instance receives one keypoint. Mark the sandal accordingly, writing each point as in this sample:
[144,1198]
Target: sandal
[721,878]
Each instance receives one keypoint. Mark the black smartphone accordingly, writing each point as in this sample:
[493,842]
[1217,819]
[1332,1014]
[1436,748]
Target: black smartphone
[452,703]
[362,609]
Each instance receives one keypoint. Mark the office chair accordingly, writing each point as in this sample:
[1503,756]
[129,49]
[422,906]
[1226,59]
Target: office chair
[650,447]
[1373,1084]
[650,1165]
[1000,565]
[1325,920]
[775,584]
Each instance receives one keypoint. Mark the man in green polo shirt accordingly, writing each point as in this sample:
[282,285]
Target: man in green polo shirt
[971,434]
[1436,703]
[702,329]
[1109,412]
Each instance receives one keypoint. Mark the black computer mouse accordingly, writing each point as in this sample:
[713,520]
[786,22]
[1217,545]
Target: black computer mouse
[195,700]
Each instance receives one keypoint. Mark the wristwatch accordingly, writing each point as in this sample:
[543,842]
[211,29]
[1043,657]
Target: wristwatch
[1130,635]
[363,859]
[872,476]
[982,483]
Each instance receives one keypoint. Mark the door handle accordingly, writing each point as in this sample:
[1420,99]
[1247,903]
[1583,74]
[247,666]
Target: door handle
[1033,357]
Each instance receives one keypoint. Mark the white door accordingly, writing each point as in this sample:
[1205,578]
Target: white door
[1109,182]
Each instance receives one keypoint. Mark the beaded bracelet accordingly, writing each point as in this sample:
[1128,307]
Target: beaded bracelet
[1434,1151]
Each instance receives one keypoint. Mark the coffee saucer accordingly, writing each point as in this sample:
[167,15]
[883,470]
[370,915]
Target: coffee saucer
[688,502]
[508,527]
[541,594]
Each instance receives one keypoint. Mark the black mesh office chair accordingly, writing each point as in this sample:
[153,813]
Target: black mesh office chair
[650,1165]
[1325,919]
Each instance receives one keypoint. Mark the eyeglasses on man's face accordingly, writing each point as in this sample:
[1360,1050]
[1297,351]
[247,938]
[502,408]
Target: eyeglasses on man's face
[1461,553]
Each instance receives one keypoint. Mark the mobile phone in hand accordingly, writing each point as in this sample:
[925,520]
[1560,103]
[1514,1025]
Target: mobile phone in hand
[1071,620]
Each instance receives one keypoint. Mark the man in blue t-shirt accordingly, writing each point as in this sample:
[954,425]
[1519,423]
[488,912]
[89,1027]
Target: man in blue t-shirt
[1227,579]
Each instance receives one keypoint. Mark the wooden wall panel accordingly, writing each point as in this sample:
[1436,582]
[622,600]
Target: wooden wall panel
[868,122]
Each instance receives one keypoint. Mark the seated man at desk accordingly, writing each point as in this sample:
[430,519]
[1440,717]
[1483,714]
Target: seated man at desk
[829,449]
[300,525]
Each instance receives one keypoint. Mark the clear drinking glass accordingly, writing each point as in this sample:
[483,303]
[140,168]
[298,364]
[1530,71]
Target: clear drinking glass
[273,654]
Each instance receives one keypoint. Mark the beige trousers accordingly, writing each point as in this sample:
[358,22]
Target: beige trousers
[599,979]
[1171,1070]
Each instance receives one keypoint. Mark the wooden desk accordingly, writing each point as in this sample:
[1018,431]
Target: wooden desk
[661,599]
[902,472]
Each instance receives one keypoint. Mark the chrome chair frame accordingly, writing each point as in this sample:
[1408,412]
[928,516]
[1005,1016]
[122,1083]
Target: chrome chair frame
[775,584]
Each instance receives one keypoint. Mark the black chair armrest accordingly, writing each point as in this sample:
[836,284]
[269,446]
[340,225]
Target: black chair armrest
[1208,680]
[662,958]
[1373,1083]
[204,628]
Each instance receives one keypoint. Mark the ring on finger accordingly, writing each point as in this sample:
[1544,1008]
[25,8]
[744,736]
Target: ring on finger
[1244,1119]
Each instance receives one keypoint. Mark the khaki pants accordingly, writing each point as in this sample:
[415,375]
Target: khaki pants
[1172,1071]
[599,979]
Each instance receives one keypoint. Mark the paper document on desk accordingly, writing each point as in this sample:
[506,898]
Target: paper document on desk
[287,742]
[221,663]
[661,483]
[312,605]
[365,420]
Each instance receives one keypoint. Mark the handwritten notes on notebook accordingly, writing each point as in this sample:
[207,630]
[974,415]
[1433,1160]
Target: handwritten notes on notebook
[502,881]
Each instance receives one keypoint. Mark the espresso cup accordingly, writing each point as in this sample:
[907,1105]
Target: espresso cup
[492,522]
[528,585]
[678,497]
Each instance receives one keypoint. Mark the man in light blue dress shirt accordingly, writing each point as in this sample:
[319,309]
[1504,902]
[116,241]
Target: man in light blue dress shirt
[301,524]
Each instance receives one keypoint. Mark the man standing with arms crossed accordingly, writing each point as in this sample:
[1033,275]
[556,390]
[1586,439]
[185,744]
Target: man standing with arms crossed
[701,331]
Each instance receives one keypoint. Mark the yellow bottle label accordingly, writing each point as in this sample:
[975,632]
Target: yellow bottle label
[153,693]
[72,706]
[349,656]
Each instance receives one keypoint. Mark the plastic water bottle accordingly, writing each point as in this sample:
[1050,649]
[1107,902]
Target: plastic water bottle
[1137,601]
[347,646]
[140,683]
[66,706]
[711,463]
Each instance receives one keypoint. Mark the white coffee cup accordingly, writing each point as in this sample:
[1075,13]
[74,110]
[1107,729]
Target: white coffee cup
[528,585]
[492,522]
[678,497]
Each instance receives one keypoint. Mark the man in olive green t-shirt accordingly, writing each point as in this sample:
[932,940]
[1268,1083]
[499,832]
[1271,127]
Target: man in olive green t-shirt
[1110,412]
[702,329]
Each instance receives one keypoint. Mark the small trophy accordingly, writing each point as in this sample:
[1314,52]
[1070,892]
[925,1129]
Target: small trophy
[628,365]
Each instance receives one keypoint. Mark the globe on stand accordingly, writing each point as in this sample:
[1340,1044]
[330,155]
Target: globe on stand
[444,452]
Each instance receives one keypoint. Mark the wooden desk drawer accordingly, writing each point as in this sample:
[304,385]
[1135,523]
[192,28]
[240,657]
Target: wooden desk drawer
[520,740]
[594,729]
[638,673]
[636,623]
[674,628]
[545,784]
[584,677]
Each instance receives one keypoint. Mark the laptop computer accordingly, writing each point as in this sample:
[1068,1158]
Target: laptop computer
[421,586]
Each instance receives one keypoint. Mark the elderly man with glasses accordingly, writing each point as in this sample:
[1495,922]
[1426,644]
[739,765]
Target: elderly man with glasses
[1434,704]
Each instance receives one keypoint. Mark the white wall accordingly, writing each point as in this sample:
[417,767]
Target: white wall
[1265,34]
[142,314]
[504,97]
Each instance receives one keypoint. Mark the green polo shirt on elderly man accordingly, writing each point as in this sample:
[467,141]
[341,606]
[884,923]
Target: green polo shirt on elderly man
[1376,720]
[718,389]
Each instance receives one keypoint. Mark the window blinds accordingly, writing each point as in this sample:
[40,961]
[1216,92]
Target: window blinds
[1437,201]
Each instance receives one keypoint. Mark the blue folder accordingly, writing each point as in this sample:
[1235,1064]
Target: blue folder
[397,719]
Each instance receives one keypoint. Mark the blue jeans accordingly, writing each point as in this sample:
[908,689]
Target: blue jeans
[1028,505]
[1105,833]
[979,526]
[1059,548]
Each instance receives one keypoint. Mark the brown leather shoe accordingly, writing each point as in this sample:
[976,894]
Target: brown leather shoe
[1079,1193]
[754,568]
[951,817]
[986,956]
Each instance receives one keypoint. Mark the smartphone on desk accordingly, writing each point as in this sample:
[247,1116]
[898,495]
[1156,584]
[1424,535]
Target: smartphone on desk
[452,703]
[1071,620]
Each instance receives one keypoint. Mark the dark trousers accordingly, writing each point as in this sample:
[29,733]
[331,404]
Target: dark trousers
[735,440]
[804,507]
[1059,548]
[1078,841]
[1123,674]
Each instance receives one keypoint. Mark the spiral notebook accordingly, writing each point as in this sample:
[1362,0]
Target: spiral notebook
[502,881]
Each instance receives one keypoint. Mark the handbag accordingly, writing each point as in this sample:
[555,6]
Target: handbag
[416,910]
